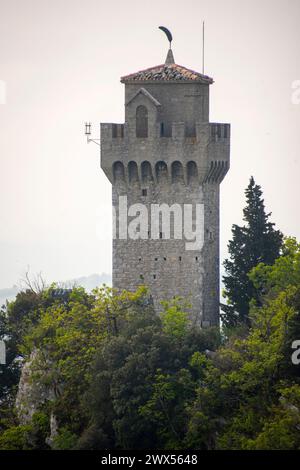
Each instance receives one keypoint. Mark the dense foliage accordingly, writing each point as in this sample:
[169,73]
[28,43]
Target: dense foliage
[121,377]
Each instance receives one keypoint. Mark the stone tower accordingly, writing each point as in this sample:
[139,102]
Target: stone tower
[167,152]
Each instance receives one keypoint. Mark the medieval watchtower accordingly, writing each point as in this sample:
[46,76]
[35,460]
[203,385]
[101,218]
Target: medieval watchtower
[167,152]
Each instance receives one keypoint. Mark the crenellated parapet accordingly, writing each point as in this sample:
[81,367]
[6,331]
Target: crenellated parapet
[218,152]
[202,157]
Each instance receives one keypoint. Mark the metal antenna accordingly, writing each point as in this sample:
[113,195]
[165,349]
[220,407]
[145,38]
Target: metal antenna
[203,47]
[88,132]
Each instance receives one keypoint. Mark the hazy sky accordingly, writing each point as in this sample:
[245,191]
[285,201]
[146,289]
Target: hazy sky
[61,61]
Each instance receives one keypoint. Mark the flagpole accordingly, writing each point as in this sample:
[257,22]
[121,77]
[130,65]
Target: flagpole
[203,47]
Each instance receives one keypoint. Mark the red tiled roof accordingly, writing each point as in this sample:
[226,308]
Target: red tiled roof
[170,72]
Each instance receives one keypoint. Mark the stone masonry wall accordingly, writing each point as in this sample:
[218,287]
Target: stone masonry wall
[184,167]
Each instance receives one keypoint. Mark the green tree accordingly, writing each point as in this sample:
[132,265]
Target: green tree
[248,397]
[26,436]
[65,342]
[16,318]
[175,321]
[143,380]
[255,242]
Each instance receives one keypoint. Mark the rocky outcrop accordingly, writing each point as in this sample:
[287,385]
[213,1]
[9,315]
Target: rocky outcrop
[33,392]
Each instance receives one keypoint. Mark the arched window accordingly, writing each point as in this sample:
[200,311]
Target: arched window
[161,170]
[146,171]
[118,171]
[177,172]
[133,172]
[141,121]
[192,172]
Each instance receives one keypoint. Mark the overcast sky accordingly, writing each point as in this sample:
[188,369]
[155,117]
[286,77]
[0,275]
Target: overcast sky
[61,61]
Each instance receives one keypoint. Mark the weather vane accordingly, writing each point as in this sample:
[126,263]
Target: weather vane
[167,33]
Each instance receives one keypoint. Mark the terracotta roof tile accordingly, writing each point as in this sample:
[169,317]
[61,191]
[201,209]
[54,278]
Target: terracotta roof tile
[170,72]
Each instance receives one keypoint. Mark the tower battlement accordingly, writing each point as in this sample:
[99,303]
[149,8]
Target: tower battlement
[210,147]
[217,131]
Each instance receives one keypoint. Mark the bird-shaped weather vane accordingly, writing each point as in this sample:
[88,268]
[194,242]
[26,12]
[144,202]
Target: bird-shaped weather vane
[170,58]
[167,33]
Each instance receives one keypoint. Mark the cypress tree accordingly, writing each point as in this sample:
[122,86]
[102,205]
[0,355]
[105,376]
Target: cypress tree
[255,242]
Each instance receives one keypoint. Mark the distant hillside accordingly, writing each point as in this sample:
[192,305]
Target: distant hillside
[88,282]
[8,294]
